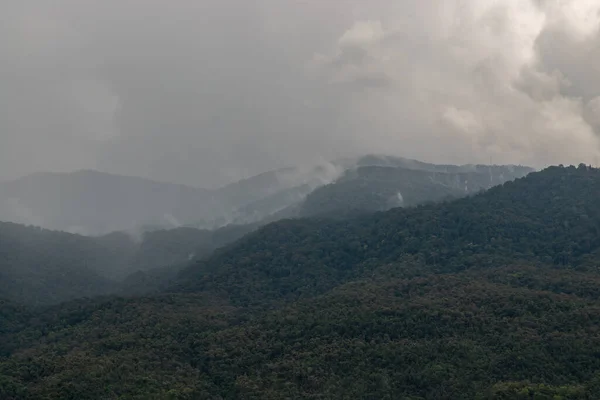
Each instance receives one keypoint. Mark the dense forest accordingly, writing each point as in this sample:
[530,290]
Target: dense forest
[535,219]
[492,296]
[41,267]
[378,188]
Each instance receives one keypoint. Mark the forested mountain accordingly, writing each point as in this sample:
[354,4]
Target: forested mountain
[91,202]
[95,203]
[40,267]
[162,254]
[493,296]
[497,172]
[379,188]
[508,222]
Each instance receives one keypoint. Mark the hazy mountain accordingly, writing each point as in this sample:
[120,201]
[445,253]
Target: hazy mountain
[379,188]
[366,184]
[261,197]
[162,254]
[91,202]
[532,218]
[379,160]
[491,296]
[42,267]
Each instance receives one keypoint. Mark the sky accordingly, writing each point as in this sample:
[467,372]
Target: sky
[208,92]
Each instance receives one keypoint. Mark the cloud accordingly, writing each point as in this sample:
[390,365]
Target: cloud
[592,114]
[486,80]
[208,92]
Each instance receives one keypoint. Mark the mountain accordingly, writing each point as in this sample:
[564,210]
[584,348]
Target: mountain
[96,203]
[40,267]
[493,296]
[90,202]
[367,184]
[381,160]
[534,219]
[261,198]
[162,254]
[100,263]
[379,188]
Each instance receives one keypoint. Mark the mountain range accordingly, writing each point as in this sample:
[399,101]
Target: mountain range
[94,203]
[491,296]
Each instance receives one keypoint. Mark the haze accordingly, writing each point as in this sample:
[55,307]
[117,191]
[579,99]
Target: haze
[208,92]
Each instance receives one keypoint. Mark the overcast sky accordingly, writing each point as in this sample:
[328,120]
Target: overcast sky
[207,91]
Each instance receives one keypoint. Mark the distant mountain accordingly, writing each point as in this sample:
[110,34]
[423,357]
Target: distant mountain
[162,254]
[40,267]
[533,219]
[379,188]
[371,183]
[91,202]
[493,296]
[95,203]
[261,198]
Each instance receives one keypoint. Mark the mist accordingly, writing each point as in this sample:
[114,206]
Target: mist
[207,93]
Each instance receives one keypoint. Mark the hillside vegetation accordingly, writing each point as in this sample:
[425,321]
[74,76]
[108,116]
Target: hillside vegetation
[494,296]
[535,219]
[380,188]
[40,267]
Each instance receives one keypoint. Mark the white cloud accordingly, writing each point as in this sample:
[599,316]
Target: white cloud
[207,92]
[475,88]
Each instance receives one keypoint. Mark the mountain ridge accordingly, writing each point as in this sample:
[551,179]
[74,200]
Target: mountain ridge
[95,203]
[492,296]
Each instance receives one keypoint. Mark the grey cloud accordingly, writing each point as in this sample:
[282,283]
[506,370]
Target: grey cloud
[482,84]
[206,92]
[592,114]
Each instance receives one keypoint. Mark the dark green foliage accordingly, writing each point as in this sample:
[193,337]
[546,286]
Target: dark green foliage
[163,254]
[111,348]
[40,267]
[13,318]
[459,336]
[453,336]
[537,219]
[495,296]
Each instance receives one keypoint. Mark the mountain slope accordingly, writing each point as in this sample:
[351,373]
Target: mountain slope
[457,336]
[40,267]
[161,255]
[379,160]
[494,296]
[91,202]
[490,334]
[95,203]
[535,219]
[377,188]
